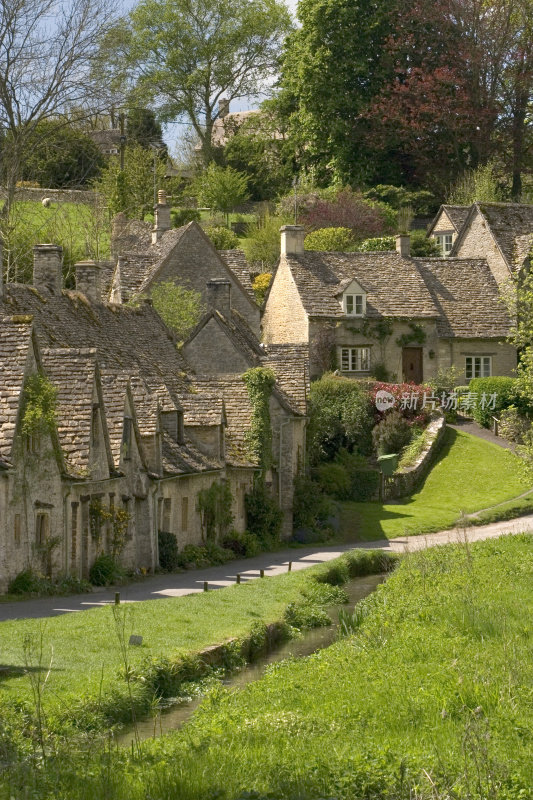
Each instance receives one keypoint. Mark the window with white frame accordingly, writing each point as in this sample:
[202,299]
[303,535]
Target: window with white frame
[478,367]
[445,241]
[355,359]
[354,304]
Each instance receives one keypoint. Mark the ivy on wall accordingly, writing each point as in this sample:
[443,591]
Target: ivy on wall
[417,335]
[259,382]
[39,403]
[214,505]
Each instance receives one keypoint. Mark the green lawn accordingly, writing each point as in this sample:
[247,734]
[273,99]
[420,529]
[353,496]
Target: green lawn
[470,474]
[83,648]
[429,699]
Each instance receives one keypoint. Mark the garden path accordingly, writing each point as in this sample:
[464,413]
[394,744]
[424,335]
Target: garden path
[175,585]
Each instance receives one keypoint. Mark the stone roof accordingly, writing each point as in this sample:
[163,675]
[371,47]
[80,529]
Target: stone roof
[466,296]
[290,363]
[511,224]
[457,215]
[183,459]
[394,285]
[15,342]
[236,261]
[203,410]
[72,372]
[238,415]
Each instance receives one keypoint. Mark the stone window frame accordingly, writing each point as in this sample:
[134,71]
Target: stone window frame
[485,363]
[42,528]
[353,298]
[355,358]
[441,239]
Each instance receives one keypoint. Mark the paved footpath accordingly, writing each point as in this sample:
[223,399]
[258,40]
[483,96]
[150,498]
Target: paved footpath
[175,585]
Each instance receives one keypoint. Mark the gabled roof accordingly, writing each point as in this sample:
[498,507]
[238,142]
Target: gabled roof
[238,413]
[15,343]
[290,363]
[236,261]
[73,373]
[203,410]
[183,459]
[394,285]
[238,331]
[466,295]
[511,226]
[456,214]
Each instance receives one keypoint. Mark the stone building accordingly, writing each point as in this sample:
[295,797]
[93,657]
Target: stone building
[146,255]
[386,313]
[135,437]
[447,225]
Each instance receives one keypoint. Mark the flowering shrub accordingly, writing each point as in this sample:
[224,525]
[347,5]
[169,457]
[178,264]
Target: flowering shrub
[413,401]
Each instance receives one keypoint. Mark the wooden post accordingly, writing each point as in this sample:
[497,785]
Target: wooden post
[290,567]
[206,586]
[238,578]
[117,598]
[261,573]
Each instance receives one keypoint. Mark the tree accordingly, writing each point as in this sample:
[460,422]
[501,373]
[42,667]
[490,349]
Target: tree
[476,186]
[221,189]
[131,190]
[185,56]
[46,52]
[143,129]
[59,156]
[179,308]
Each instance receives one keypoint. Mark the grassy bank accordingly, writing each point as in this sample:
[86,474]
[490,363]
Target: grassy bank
[88,657]
[470,474]
[429,698]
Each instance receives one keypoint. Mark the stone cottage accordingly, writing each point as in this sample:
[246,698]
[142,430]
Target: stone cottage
[133,440]
[387,314]
[447,226]
[146,255]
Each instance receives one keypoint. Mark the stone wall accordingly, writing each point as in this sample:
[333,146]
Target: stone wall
[404,483]
[284,319]
[477,242]
[212,353]
[56,195]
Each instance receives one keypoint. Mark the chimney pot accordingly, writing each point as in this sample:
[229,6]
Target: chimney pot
[48,267]
[219,296]
[88,280]
[223,107]
[403,245]
[292,239]
[161,216]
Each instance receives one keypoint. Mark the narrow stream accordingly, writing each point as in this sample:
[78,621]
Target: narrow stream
[316,639]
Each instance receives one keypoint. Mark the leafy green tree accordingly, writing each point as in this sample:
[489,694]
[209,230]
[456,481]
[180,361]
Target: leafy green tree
[59,156]
[263,242]
[143,129]
[221,189]
[335,239]
[179,308]
[479,185]
[131,190]
[185,56]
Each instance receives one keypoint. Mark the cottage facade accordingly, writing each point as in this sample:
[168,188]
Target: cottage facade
[387,314]
[447,226]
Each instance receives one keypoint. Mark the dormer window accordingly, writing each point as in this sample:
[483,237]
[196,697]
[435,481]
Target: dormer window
[354,305]
[445,242]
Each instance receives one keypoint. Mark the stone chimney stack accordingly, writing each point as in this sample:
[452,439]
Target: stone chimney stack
[219,296]
[403,245]
[161,216]
[88,280]
[48,267]
[223,107]
[292,240]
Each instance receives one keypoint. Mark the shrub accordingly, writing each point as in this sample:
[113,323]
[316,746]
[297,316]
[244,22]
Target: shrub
[513,425]
[192,556]
[348,477]
[310,507]
[347,209]
[244,545]
[181,216]
[263,243]
[23,583]
[29,582]
[391,434]
[332,239]
[334,480]
[408,400]
[222,238]
[377,244]
[168,551]
[260,286]
[105,570]
[422,246]
[422,202]
[263,515]
[340,416]
[506,394]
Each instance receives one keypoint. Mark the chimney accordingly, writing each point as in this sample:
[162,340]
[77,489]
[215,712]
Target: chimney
[161,216]
[219,296]
[223,107]
[88,280]
[403,245]
[47,267]
[292,240]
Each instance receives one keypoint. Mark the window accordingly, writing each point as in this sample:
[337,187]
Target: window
[33,442]
[355,359]
[478,367]
[42,528]
[354,304]
[445,241]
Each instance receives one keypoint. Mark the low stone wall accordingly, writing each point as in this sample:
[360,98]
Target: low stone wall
[405,482]
[56,195]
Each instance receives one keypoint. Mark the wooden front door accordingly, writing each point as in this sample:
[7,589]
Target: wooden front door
[412,364]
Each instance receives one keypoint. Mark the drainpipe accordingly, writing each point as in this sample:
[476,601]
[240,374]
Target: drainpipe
[66,531]
[155,527]
[281,426]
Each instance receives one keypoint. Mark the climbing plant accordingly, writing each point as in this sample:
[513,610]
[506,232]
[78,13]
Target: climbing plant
[39,405]
[417,335]
[118,520]
[259,382]
[214,505]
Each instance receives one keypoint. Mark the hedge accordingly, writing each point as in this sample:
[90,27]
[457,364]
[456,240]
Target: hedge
[506,392]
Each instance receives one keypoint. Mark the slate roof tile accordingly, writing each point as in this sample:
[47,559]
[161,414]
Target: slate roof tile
[236,261]
[15,342]
[512,226]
